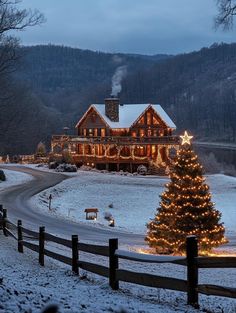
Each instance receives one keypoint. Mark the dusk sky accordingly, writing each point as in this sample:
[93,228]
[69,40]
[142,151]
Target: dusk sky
[133,26]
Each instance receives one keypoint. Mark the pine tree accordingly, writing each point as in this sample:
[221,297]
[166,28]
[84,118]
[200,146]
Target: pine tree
[185,209]
[41,149]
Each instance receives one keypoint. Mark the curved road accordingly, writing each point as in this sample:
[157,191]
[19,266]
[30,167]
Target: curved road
[17,200]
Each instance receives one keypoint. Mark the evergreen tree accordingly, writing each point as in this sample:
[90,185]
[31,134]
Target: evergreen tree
[41,149]
[185,208]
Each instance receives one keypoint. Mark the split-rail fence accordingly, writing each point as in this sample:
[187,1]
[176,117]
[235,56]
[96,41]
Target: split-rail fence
[192,261]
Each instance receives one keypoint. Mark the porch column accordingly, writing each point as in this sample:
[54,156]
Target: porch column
[131,167]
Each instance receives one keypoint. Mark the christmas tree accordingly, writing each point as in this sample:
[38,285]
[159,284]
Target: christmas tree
[185,208]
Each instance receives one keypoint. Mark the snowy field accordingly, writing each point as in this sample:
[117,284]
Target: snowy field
[14,178]
[132,201]
[26,287]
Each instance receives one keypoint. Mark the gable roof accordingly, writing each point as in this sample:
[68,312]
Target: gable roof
[91,107]
[130,113]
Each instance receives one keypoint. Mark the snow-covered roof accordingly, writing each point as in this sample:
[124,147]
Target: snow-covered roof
[129,114]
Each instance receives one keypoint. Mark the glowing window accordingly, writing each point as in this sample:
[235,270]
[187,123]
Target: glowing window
[155,121]
[142,133]
[149,118]
[141,121]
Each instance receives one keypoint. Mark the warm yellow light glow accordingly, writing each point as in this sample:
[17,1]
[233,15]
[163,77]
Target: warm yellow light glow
[186,138]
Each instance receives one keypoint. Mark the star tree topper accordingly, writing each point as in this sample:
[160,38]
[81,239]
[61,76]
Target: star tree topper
[186,138]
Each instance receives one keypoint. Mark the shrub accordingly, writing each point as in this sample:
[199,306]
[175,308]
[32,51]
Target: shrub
[142,170]
[66,168]
[53,165]
[2,175]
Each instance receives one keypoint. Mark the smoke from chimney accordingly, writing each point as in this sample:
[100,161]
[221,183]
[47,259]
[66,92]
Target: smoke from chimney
[119,74]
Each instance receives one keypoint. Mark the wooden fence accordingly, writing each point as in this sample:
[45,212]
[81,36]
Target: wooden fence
[25,236]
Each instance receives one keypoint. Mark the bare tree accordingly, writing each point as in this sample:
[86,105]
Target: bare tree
[226,13]
[12,19]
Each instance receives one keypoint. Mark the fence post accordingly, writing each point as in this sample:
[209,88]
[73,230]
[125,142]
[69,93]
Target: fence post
[75,254]
[1,216]
[4,222]
[192,271]
[20,236]
[41,245]
[113,264]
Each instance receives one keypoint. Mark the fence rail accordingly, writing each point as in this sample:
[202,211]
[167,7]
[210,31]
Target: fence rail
[133,256]
[61,241]
[192,261]
[152,280]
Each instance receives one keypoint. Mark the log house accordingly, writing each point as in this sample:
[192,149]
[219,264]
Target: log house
[116,136]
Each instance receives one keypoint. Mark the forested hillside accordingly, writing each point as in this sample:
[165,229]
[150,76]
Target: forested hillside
[68,79]
[54,85]
[197,89]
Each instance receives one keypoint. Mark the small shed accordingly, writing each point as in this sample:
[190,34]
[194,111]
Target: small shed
[91,213]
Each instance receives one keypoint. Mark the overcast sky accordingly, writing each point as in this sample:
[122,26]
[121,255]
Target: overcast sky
[133,26]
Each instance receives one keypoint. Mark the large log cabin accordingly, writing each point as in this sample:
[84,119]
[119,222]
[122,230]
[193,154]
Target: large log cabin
[116,136]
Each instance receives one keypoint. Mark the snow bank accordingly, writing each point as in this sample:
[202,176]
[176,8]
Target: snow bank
[14,178]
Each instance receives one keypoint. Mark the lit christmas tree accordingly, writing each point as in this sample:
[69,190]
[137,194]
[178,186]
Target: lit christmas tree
[185,208]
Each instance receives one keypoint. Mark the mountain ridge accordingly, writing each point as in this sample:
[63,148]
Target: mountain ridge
[196,89]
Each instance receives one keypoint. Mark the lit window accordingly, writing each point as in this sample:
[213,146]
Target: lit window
[103,132]
[155,121]
[149,118]
[141,121]
[84,132]
[142,133]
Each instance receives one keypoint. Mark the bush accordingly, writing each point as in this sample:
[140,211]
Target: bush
[2,175]
[66,168]
[53,165]
[142,170]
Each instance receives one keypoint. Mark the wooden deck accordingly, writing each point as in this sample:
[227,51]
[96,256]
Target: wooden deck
[124,140]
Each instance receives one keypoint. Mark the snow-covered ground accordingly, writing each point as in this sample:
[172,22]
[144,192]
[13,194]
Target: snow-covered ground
[27,287]
[132,201]
[14,178]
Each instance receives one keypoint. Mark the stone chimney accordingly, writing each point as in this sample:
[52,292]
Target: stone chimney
[112,108]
